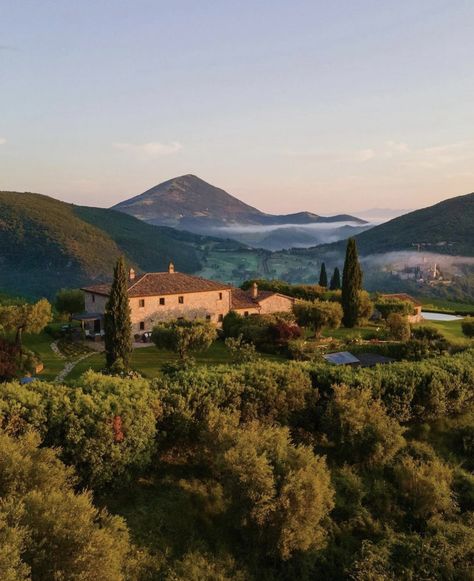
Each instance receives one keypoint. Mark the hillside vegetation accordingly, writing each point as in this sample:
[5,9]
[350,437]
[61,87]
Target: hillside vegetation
[46,244]
[446,228]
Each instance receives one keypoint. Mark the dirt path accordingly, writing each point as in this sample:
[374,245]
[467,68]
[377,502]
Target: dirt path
[69,366]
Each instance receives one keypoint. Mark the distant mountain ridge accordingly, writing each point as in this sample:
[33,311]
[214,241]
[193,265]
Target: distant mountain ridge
[188,202]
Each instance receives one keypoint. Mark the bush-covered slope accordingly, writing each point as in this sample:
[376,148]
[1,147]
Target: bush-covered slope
[446,227]
[46,244]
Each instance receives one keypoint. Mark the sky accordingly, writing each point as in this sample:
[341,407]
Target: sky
[290,105]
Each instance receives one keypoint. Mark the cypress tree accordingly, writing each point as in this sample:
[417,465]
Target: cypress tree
[323,277]
[335,283]
[351,285]
[117,323]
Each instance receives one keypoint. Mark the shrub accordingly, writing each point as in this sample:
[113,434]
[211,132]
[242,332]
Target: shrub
[387,306]
[281,494]
[240,351]
[468,326]
[399,327]
[48,530]
[360,427]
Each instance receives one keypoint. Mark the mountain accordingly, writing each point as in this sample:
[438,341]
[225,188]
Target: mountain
[46,244]
[188,202]
[446,228]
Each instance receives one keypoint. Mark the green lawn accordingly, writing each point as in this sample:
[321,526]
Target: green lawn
[40,344]
[149,360]
[443,306]
[344,334]
[452,330]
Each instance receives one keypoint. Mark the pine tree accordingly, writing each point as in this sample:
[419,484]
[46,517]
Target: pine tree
[117,323]
[323,277]
[351,285]
[335,283]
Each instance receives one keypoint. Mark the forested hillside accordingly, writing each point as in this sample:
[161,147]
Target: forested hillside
[46,244]
[446,228]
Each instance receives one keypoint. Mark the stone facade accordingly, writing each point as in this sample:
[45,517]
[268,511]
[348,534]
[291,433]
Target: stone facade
[147,311]
[158,297]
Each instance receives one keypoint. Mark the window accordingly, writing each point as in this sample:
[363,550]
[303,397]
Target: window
[220,318]
[220,296]
[141,303]
[142,325]
[180,300]
[93,298]
[246,314]
[208,317]
[162,301]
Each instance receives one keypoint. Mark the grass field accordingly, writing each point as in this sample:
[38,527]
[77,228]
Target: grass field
[452,330]
[150,360]
[443,306]
[40,344]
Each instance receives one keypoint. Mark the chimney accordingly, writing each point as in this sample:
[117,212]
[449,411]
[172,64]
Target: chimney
[254,290]
[131,274]
[171,268]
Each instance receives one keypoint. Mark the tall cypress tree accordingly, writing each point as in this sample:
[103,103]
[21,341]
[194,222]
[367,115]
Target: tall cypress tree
[335,283]
[323,277]
[117,323]
[351,285]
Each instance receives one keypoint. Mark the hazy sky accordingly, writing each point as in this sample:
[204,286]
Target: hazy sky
[321,105]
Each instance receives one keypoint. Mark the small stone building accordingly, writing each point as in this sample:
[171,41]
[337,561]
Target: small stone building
[416,316]
[164,296]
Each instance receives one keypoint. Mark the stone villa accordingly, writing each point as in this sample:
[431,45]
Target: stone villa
[163,296]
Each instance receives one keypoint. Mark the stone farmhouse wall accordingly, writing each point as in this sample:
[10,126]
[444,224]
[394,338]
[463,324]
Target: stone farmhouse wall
[276,304]
[94,303]
[199,305]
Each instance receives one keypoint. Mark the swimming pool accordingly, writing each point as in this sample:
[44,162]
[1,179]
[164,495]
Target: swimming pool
[440,317]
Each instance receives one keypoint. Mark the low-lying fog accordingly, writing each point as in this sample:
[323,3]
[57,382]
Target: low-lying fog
[413,258]
[282,236]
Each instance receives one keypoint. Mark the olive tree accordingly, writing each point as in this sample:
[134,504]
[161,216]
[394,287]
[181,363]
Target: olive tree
[318,315]
[184,337]
[25,318]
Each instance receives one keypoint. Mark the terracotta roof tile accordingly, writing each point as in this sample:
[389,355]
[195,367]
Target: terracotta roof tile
[163,283]
[243,299]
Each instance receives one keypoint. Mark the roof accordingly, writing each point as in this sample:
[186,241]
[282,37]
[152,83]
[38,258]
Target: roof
[241,299]
[341,358]
[163,283]
[402,297]
[362,359]
[371,359]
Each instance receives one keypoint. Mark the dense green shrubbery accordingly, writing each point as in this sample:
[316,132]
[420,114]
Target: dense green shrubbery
[297,471]
[105,426]
[47,530]
[269,333]
[269,392]
[423,390]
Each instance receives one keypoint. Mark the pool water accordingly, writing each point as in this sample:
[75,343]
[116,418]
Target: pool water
[440,317]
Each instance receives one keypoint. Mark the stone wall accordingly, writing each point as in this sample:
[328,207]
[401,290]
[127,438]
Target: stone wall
[276,304]
[201,305]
